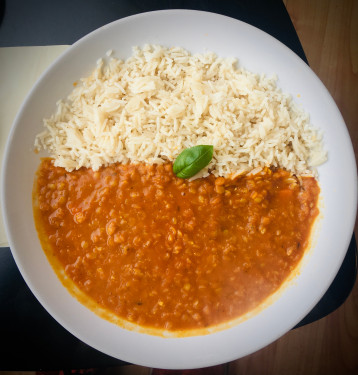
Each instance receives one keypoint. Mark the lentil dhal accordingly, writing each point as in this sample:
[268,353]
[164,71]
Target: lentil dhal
[167,253]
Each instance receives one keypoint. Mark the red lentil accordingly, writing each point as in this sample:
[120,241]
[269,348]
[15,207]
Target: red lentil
[168,253]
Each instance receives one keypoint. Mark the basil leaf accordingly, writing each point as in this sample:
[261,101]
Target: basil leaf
[192,160]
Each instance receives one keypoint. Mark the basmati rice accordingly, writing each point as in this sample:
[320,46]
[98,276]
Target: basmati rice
[161,101]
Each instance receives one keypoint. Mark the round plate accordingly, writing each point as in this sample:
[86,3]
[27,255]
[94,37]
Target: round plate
[257,52]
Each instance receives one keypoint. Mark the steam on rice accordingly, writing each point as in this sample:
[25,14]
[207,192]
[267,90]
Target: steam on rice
[161,101]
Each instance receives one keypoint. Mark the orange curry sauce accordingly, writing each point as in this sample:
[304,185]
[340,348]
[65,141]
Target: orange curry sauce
[167,253]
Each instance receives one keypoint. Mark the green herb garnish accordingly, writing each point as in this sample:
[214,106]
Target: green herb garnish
[192,160]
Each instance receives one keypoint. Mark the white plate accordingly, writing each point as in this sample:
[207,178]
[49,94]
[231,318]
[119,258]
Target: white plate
[256,51]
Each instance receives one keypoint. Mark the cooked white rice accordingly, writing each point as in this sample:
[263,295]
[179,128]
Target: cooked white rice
[161,101]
